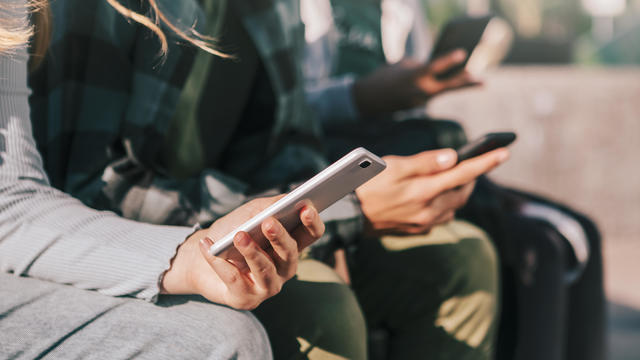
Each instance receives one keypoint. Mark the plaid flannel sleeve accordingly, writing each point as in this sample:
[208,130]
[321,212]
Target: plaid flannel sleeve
[101,107]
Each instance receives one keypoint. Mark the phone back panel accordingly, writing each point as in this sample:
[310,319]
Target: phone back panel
[460,33]
[322,190]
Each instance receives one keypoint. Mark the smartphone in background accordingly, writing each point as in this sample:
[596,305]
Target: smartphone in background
[485,144]
[493,47]
[460,33]
[322,190]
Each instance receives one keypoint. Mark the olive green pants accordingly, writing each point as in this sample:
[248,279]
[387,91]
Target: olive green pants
[434,295]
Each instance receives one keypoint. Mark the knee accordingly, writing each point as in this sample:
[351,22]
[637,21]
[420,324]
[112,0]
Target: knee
[477,260]
[317,314]
[470,312]
[243,336]
[203,330]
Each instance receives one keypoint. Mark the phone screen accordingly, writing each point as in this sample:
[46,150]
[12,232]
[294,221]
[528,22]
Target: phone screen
[485,144]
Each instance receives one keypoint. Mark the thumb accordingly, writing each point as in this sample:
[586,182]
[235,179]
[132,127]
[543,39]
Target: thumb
[446,62]
[429,162]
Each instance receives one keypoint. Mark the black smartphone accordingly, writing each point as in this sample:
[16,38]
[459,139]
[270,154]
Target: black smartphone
[485,144]
[459,33]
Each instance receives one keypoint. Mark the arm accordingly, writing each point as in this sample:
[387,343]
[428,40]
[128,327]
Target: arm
[329,96]
[47,234]
[392,87]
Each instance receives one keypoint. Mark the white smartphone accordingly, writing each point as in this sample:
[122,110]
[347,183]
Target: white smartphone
[322,190]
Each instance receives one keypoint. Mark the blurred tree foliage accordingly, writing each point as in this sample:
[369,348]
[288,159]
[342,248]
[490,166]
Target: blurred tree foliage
[546,27]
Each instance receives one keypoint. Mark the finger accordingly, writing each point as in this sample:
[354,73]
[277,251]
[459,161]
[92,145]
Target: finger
[444,218]
[474,79]
[457,81]
[230,275]
[262,269]
[446,62]
[313,226]
[285,247]
[452,199]
[256,205]
[424,218]
[426,163]
[416,229]
[469,170]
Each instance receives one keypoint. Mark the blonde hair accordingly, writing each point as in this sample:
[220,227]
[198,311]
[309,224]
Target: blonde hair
[15,30]
[157,18]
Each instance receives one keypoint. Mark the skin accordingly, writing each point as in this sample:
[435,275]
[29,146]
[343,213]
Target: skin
[258,275]
[408,84]
[416,193]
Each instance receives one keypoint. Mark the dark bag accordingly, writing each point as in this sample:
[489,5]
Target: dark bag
[553,303]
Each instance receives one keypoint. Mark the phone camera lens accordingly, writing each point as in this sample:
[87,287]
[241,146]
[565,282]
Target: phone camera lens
[365,164]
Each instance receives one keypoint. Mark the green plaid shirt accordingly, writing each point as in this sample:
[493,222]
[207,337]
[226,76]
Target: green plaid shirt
[103,104]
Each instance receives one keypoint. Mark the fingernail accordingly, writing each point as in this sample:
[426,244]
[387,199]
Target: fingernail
[503,156]
[445,158]
[460,55]
[309,215]
[205,241]
[242,239]
[270,227]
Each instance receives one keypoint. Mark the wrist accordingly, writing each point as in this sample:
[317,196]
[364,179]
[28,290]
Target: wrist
[179,279]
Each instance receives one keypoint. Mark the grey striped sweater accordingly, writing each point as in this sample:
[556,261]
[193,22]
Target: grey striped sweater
[47,234]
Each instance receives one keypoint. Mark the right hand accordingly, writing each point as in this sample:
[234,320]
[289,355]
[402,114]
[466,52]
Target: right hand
[262,273]
[415,193]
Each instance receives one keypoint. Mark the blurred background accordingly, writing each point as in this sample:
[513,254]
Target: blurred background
[570,88]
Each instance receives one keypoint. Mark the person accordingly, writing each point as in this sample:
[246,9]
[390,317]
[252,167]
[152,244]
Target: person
[254,132]
[49,240]
[370,60]
[367,64]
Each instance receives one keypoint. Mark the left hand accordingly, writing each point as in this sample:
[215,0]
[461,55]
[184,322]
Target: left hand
[408,84]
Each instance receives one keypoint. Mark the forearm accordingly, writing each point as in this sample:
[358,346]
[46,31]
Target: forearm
[332,100]
[49,235]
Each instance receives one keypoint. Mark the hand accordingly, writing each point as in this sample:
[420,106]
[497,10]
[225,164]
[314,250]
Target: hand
[415,193]
[261,274]
[408,84]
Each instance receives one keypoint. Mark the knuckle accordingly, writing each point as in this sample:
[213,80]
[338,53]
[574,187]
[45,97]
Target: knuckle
[289,274]
[425,218]
[249,252]
[446,218]
[290,256]
[275,288]
[451,216]
[290,270]
[460,201]
[233,278]
[262,270]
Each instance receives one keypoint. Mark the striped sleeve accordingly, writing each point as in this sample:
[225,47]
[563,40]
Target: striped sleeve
[47,234]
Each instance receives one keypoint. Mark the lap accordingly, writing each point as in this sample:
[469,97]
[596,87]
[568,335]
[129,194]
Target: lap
[42,319]
[436,292]
[316,316]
